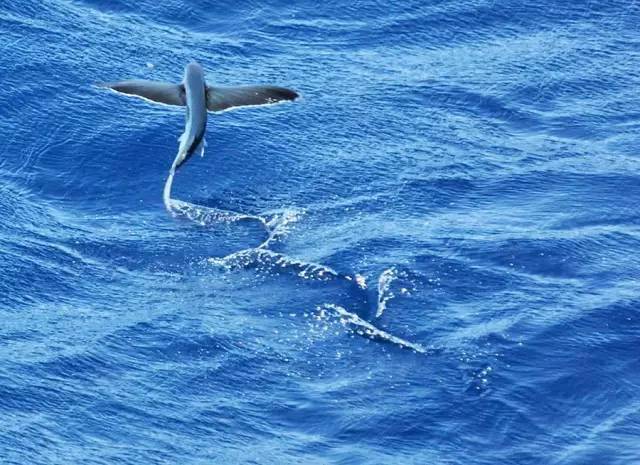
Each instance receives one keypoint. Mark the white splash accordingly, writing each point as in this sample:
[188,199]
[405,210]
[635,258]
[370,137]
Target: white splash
[385,294]
[262,257]
[265,258]
[364,328]
[201,214]
[279,226]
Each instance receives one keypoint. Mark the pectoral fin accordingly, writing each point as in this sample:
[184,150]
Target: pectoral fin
[160,92]
[222,98]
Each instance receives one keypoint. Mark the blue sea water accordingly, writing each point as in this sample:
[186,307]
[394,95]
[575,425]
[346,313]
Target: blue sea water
[476,162]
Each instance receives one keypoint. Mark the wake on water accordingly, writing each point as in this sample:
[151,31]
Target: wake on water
[263,257]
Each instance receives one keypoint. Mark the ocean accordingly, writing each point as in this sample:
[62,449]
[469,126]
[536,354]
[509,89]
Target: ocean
[431,257]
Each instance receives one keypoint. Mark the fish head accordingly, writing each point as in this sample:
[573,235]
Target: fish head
[194,74]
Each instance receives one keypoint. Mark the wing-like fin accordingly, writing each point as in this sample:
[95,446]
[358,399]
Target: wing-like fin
[160,92]
[222,98]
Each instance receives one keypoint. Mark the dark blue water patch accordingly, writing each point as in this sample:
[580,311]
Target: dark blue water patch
[141,344]
[560,258]
[575,190]
[545,96]
[585,344]
[458,276]
[436,193]
[441,25]
[82,367]
[46,396]
[198,16]
[134,253]
[40,277]
[467,102]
